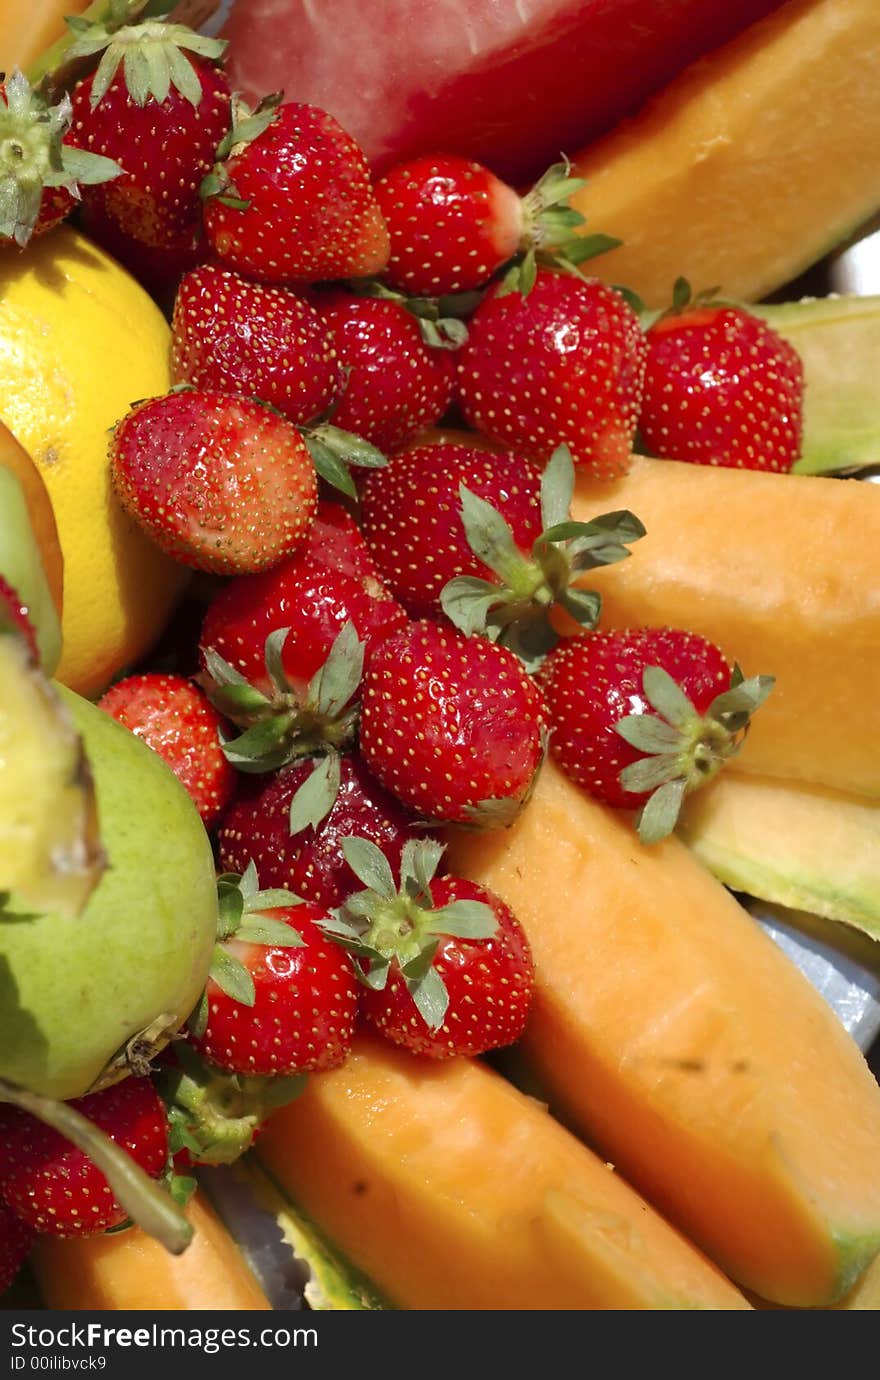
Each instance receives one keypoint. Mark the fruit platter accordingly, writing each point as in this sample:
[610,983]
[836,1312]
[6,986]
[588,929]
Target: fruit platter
[439,656]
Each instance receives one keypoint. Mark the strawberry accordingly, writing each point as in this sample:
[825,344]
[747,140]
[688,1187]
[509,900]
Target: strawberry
[291,200]
[643,716]
[174,717]
[452,223]
[561,364]
[233,336]
[41,175]
[159,105]
[15,1242]
[281,998]
[397,384]
[451,725]
[721,387]
[446,965]
[293,823]
[218,482]
[493,548]
[54,1186]
[15,617]
[275,631]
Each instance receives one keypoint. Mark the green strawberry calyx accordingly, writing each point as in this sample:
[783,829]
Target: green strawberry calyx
[213,1115]
[152,55]
[514,609]
[242,914]
[440,319]
[288,723]
[386,924]
[683,749]
[246,125]
[552,232]
[334,451]
[34,157]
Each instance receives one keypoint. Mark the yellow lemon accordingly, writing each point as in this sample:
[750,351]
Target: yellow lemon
[80,341]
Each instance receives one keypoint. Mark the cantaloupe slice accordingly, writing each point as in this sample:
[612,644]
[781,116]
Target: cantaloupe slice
[131,1271]
[27,27]
[805,847]
[752,164]
[784,573]
[450,1189]
[671,1031]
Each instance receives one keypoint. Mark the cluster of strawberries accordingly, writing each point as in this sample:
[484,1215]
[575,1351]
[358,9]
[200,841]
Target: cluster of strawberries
[387,660]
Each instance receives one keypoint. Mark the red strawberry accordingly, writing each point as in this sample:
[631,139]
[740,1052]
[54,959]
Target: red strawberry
[219,483]
[721,388]
[453,223]
[14,616]
[494,548]
[40,174]
[15,1242]
[293,200]
[641,717]
[176,719]
[447,967]
[233,336]
[397,384]
[562,364]
[282,998]
[412,516]
[293,823]
[452,725]
[53,1186]
[331,581]
[159,105]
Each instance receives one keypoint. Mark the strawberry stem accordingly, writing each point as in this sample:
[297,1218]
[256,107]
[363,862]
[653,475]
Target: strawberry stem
[145,1202]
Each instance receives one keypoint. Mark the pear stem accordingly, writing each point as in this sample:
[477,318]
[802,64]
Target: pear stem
[145,1202]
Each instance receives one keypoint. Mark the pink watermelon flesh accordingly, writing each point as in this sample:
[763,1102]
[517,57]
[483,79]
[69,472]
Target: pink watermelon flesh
[513,83]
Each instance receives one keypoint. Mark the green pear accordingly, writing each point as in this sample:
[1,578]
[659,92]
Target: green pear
[85,998]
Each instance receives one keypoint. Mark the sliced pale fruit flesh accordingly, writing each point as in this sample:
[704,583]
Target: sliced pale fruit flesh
[838,339]
[805,847]
[677,1037]
[50,854]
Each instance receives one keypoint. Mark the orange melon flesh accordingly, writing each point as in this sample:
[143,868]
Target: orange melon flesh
[783,572]
[672,1032]
[751,165]
[29,26]
[450,1189]
[129,1270]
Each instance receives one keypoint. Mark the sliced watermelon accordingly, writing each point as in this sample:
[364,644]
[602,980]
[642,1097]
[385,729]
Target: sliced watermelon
[510,82]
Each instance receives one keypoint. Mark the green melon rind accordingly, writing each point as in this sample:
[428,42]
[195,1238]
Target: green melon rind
[334,1285]
[838,338]
[803,847]
[856,1253]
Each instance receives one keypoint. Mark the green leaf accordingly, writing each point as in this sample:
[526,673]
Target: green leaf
[376,976]
[584,605]
[681,294]
[347,446]
[658,816]
[741,700]
[338,680]
[557,487]
[419,861]
[272,898]
[315,798]
[279,1090]
[269,932]
[184,76]
[338,927]
[272,655]
[370,866]
[248,125]
[198,1019]
[649,734]
[466,601]
[222,673]
[589,247]
[230,907]
[530,638]
[249,883]
[88,169]
[465,920]
[494,813]
[330,467]
[489,535]
[264,747]
[668,698]
[649,773]
[415,969]
[232,977]
[431,998]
